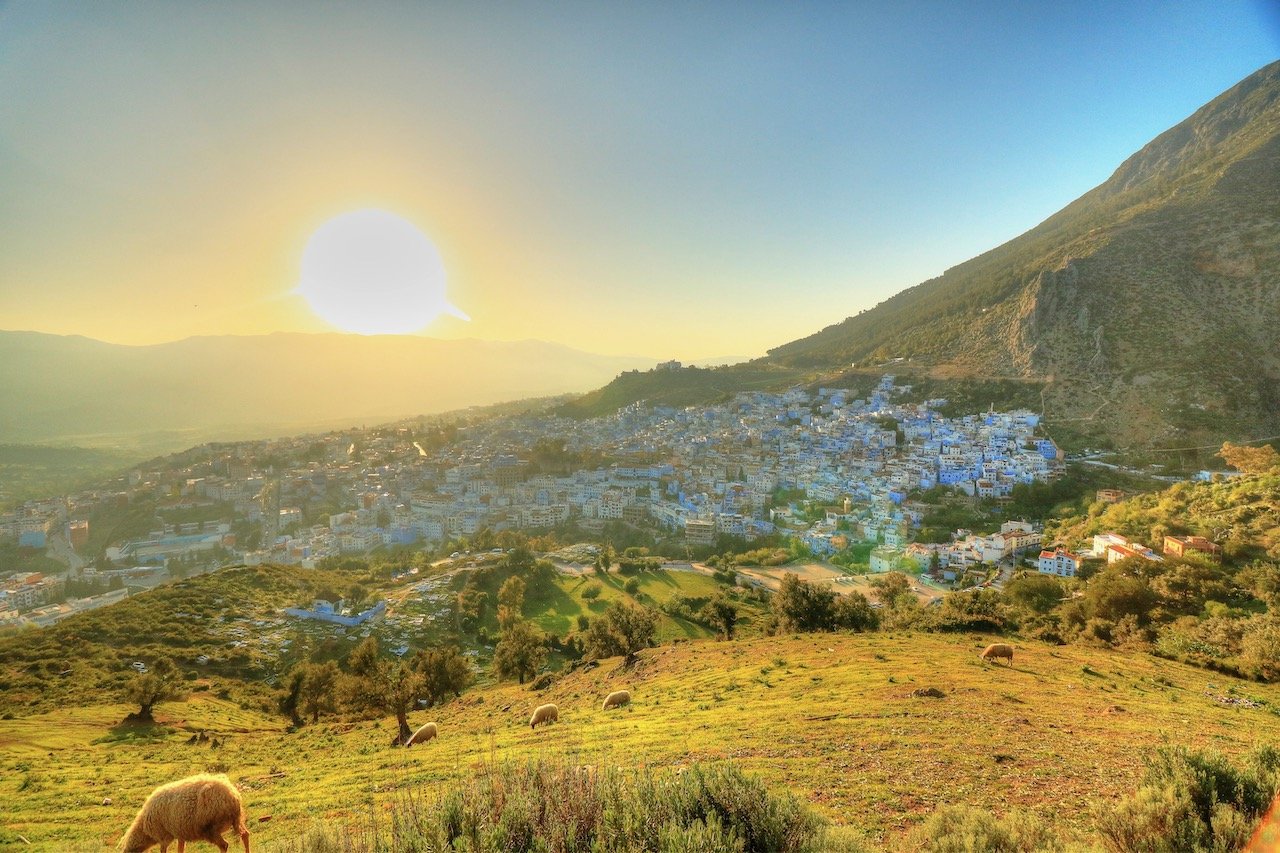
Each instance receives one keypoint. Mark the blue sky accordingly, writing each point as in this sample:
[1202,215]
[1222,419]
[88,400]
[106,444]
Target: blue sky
[682,180]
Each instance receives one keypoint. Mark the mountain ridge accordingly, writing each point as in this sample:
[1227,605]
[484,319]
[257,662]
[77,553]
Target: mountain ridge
[62,386]
[1184,228]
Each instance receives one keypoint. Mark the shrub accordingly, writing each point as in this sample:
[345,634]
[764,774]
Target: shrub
[503,807]
[632,586]
[964,829]
[592,591]
[1193,801]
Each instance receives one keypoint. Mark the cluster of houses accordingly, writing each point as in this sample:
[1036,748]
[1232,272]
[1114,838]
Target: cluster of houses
[1113,547]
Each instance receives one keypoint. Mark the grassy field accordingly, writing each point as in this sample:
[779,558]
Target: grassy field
[831,717]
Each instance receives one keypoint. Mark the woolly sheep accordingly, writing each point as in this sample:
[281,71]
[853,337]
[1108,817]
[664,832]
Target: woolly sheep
[198,808]
[548,713]
[998,650]
[616,699]
[423,734]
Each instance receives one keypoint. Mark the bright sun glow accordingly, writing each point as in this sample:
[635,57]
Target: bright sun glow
[374,273]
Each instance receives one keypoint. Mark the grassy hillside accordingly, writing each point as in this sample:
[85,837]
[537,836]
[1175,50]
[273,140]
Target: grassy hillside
[830,717]
[687,387]
[233,616]
[37,471]
[1241,514]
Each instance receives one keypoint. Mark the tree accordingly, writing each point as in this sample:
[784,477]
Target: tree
[469,607]
[1113,595]
[889,586]
[1034,592]
[380,685]
[723,616]
[800,606]
[853,612]
[624,629]
[289,699]
[510,602]
[445,670]
[1250,460]
[311,690]
[605,560]
[319,685]
[520,652]
[146,689]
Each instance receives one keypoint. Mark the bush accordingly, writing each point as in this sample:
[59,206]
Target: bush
[632,586]
[1193,801]
[503,807]
[592,591]
[964,829]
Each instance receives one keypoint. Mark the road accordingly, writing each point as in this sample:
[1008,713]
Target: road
[60,549]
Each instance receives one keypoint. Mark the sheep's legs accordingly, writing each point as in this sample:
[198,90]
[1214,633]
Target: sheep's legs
[244,837]
[215,838]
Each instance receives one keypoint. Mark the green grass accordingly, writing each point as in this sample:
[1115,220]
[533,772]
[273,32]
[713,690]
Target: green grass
[828,717]
[556,610]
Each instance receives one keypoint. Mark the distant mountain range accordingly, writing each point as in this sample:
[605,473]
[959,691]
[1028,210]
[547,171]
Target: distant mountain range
[1150,306]
[58,388]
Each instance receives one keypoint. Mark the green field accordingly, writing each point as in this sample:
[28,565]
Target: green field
[829,716]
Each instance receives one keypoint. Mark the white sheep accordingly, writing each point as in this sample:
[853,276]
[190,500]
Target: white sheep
[544,714]
[998,650]
[198,808]
[616,699]
[423,734]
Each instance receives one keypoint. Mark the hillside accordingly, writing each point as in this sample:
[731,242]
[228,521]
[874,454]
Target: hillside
[687,387]
[830,717]
[232,617]
[73,389]
[1150,306]
[1241,514]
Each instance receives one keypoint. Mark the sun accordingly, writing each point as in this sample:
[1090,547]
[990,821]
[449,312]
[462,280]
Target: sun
[374,273]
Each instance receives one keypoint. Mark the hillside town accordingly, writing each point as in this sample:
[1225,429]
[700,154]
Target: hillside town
[753,467]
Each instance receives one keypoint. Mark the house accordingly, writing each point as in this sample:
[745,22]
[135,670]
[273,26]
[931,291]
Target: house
[1116,553]
[699,532]
[1059,562]
[1180,546]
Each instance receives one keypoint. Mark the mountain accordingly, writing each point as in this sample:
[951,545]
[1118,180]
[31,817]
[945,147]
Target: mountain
[1150,306]
[59,388]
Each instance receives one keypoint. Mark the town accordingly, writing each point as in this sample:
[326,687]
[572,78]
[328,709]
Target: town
[819,469]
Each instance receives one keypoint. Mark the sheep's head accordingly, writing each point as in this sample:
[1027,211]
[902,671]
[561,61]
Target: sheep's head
[136,841]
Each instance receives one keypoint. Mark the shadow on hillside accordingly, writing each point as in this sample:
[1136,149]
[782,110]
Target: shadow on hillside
[132,730]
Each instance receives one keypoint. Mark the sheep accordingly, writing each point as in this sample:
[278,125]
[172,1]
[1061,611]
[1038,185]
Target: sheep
[198,808]
[616,699]
[998,650]
[548,713]
[422,735]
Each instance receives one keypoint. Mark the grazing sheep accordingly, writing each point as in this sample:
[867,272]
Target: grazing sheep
[998,650]
[422,735]
[548,713]
[616,699]
[198,808]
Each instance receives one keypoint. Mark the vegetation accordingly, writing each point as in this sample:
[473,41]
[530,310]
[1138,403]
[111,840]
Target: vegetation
[1242,513]
[146,689]
[714,808]
[623,630]
[1195,802]
[686,387]
[829,717]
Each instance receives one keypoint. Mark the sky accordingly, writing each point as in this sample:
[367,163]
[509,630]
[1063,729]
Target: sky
[675,180]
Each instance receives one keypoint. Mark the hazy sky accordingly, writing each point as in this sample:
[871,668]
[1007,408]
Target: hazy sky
[669,179]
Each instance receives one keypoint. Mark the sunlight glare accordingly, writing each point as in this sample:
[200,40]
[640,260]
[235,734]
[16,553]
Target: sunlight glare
[374,273]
